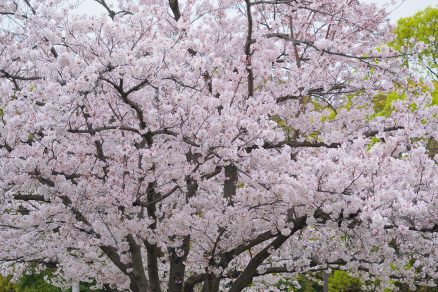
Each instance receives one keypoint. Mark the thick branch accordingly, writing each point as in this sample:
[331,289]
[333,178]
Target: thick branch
[111,12]
[17,77]
[103,128]
[135,106]
[251,269]
[230,255]
[152,249]
[140,282]
[230,184]
[30,197]
[175,9]
[177,266]
[157,199]
[249,41]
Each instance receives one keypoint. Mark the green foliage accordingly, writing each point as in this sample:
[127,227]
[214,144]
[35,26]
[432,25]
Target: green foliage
[405,288]
[374,141]
[341,281]
[422,27]
[383,107]
[35,283]
[435,94]
[382,104]
[410,264]
[432,147]
[6,285]
[305,285]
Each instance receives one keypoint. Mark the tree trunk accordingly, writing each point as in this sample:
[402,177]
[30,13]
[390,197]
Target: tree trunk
[152,249]
[107,288]
[230,185]
[177,267]
[211,284]
[138,287]
[139,282]
[325,279]
[152,264]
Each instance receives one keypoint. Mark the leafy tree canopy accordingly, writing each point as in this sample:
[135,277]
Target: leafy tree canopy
[421,27]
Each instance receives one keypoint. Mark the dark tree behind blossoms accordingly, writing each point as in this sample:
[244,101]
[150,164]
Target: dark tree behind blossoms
[215,144]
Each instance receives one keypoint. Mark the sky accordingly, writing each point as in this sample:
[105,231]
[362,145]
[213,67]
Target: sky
[407,8]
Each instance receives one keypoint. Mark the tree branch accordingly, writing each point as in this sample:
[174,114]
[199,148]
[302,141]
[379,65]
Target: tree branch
[250,271]
[249,41]
[175,9]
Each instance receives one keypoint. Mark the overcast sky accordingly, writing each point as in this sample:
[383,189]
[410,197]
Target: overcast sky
[407,8]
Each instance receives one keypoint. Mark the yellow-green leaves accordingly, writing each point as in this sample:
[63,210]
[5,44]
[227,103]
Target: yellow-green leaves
[383,103]
[341,281]
[374,141]
[423,27]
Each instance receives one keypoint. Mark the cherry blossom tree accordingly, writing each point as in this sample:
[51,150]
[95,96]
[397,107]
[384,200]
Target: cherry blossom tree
[174,145]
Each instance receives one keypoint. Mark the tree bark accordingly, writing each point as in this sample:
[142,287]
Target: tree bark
[211,284]
[152,249]
[139,282]
[325,277]
[248,53]
[178,267]
[175,9]
[230,185]
[152,266]
[250,271]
